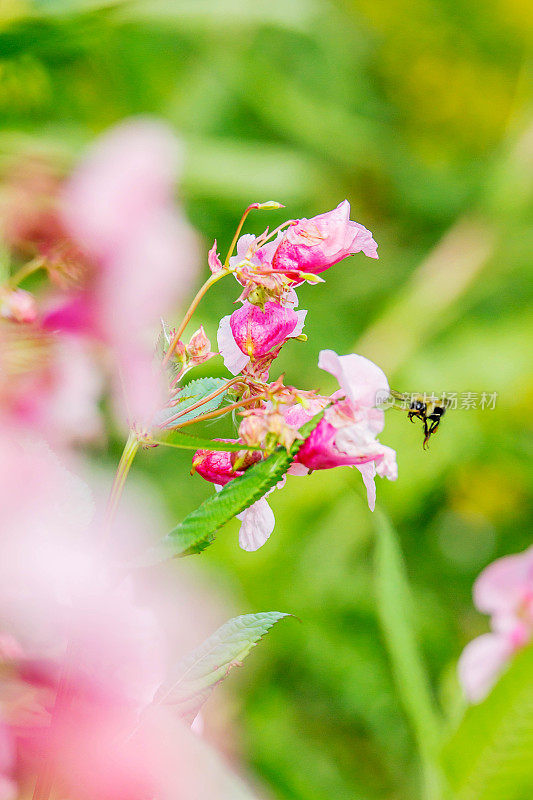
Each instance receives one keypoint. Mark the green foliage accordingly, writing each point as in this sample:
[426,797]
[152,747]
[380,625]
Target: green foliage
[197,529]
[191,394]
[489,755]
[395,613]
[196,676]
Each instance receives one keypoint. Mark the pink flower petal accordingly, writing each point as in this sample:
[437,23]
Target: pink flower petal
[481,663]
[358,377]
[234,359]
[505,584]
[368,471]
[257,524]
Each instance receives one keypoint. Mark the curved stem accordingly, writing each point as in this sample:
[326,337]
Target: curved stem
[190,311]
[204,400]
[220,412]
[27,269]
[124,465]
[253,207]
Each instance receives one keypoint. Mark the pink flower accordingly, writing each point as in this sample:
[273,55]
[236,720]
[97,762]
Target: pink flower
[8,788]
[58,585]
[346,436]
[18,305]
[256,331]
[215,466]
[119,207]
[505,591]
[249,333]
[257,521]
[314,245]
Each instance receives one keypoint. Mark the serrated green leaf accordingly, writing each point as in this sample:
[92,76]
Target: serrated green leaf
[395,612]
[197,674]
[196,530]
[490,755]
[190,394]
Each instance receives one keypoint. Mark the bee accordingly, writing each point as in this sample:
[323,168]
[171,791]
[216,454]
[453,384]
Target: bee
[430,410]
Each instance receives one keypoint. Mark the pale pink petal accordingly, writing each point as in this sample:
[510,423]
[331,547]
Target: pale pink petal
[505,584]
[298,469]
[213,259]
[299,325]
[358,377]
[234,359]
[197,725]
[257,524]
[368,471]
[128,172]
[386,466]
[481,663]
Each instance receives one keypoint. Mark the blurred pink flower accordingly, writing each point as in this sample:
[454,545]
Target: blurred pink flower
[95,643]
[118,205]
[8,787]
[50,385]
[18,305]
[249,333]
[505,591]
[314,245]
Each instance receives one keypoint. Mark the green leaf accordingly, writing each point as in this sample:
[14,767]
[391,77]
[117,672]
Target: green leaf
[197,529]
[490,755]
[197,674]
[190,394]
[394,606]
[185,442]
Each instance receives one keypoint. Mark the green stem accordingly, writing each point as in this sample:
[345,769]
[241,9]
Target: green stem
[253,207]
[124,465]
[24,271]
[190,311]
[219,413]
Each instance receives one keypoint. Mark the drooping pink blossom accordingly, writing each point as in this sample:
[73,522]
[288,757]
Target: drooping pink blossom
[505,591]
[313,245]
[256,331]
[249,333]
[346,436]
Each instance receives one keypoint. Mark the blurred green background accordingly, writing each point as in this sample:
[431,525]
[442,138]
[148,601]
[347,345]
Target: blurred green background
[420,113]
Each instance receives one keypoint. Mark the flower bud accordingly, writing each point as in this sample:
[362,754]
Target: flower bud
[213,259]
[256,332]
[215,466]
[199,347]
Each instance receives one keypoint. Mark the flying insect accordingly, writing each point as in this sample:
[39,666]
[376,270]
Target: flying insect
[429,409]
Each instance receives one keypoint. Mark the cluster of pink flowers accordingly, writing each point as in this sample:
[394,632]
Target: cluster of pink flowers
[505,591]
[82,655]
[270,268]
